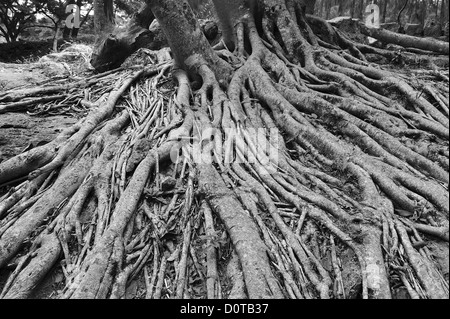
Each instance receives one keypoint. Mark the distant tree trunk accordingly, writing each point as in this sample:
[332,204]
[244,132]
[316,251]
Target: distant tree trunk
[55,37]
[359,7]
[411,11]
[320,12]
[86,17]
[72,31]
[352,9]
[66,30]
[444,12]
[384,11]
[423,12]
[103,16]
[324,151]
[75,30]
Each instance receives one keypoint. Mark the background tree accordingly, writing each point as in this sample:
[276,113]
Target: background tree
[444,12]
[423,17]
[16,15]
[103,17]
[73,32]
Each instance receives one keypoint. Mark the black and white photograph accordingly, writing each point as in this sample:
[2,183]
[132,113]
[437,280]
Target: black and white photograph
[224,158]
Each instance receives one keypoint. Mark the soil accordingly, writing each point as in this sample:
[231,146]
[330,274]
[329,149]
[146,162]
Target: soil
[20,131]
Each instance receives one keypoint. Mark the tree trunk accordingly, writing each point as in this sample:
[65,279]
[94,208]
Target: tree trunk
[407,41]
[186,39]
[444,12]
[384,11]
[103,17]
[327,9]
[342,7]
[7,38]
[310,6]
[320,12]
[112,51]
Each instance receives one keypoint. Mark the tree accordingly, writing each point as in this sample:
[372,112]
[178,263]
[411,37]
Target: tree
[69,30]
[327,9]
[112,50]
[338,147]
[309,6]
[103,17]
[15,15]
[56,11]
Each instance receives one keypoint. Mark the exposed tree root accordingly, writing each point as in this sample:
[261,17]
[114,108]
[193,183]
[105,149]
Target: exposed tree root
[289,147]
[407,41]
